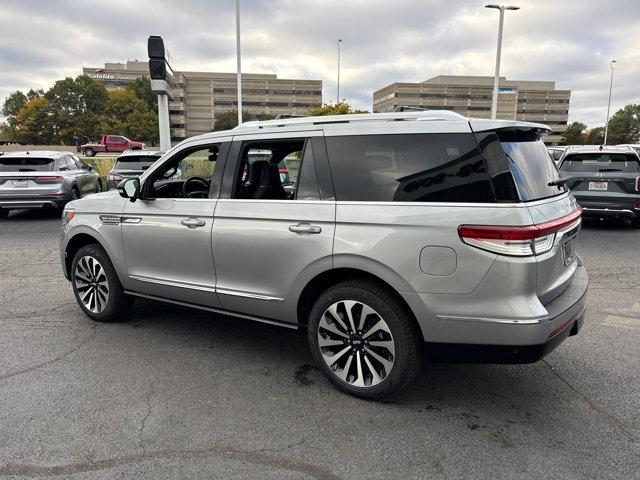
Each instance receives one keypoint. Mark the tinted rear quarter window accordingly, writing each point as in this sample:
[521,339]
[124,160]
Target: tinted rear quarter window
[135,163]
[600,162]
[408,168]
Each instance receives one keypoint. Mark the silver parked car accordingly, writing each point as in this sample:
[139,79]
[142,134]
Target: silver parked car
[42,179]
[407,232]
[131,164]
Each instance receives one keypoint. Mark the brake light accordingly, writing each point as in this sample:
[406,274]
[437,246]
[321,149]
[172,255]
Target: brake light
[49,179]
[520,241]
[283,170]
[637,184]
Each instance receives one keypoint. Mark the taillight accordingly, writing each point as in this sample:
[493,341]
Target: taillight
[49,179]
[519,241]
[637,184]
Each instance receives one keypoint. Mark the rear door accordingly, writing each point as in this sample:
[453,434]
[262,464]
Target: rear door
[525,157]
[605,180]
[268,243]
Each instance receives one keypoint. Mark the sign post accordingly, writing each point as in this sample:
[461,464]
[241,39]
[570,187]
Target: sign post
[158,71]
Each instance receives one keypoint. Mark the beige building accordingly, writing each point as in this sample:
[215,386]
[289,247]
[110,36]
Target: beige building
[197,97]
[533,101]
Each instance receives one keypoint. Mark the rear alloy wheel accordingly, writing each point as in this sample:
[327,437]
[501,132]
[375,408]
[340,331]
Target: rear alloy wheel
[98,186]
[364,340]
[89,152]
[97,287]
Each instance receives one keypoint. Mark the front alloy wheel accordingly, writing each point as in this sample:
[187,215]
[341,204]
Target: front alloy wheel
[356,343]
[92,285]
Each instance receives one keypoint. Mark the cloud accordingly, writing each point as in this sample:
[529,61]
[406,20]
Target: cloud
[570,42]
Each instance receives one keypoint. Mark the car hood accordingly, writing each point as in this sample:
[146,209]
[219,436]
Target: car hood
[104,202]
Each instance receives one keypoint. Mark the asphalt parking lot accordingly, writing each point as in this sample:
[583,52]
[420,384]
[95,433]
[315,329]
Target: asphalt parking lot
[179,393]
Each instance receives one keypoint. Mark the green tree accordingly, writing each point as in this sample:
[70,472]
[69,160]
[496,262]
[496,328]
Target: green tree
[594,136]
[33,94]
[33,122]
[340,108]
[142,89]
[624,125]
[142,125]
[574,134]
[229,119]
[13,104]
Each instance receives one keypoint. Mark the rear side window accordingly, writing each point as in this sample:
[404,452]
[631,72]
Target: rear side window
[409,168]
[18,164]
[530,164]
[600,162]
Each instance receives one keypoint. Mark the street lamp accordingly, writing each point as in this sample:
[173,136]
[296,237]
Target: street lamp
[239,66]
[338,94]
[606,126]
[494,99]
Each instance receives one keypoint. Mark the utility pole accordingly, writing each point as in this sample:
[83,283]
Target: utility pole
[606,126]
[338,94]
[239,66]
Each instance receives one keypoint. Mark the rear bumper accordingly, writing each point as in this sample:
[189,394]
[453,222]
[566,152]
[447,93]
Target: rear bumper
[608,204]
[531,341]
[593,212]
[32,203]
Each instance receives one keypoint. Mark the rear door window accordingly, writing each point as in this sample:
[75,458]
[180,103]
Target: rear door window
[600,162]
[408,168]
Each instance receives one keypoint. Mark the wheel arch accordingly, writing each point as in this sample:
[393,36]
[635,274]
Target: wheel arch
[84,236]
[325,280]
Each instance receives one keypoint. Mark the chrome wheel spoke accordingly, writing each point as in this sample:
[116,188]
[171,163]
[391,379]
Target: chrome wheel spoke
[366,311]
[331,359]
[374,373]
[348,307]
[327,342]
[388,344]
[359,381]
[332,328]
[333,312]
[387,364]
[379,325]
[342,374]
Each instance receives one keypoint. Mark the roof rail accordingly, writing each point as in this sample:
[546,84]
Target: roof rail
[280,116]
[427,115]
[407,108]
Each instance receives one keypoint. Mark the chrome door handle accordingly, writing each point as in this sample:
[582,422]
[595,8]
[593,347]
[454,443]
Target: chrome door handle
[192,222]
[305,229]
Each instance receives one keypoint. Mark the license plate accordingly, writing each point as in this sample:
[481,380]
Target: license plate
[20,184]
[567,252]
[598,186]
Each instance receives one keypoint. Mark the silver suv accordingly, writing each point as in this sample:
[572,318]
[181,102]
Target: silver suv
[406,233]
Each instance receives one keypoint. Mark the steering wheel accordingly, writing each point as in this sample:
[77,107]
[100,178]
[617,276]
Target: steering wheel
[195,187]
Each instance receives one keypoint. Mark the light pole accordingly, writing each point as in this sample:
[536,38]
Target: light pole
[606,126]
[338,94]
[239,66]
[494,98]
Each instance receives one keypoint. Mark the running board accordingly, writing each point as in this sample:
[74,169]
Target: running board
[269,321]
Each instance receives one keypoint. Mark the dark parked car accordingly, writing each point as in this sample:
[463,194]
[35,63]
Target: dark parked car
[604,180]
[44,180]
[131,164]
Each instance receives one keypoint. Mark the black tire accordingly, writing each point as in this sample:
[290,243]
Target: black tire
[89,152]
[118,304]
[99,186]
[4,213]
[75,194]
[406,337]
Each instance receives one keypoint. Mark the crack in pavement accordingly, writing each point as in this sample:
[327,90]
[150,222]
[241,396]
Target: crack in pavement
[255,457]
[614,420]
[91,337]
[144,420]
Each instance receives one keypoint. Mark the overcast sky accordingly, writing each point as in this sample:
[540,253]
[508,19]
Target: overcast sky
[569,41]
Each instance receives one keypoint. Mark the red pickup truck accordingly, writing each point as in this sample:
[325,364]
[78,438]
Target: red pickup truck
[111,143]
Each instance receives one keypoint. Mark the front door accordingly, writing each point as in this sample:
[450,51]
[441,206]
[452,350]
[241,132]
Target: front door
[274,231]
[167,233]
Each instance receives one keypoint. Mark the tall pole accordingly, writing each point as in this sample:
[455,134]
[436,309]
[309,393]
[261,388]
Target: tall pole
[496,78]
[606,126]
[338,94]
[239,65]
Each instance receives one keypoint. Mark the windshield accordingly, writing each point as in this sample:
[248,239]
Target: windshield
[135,163]
[26,164]
[600,162]
[531,166]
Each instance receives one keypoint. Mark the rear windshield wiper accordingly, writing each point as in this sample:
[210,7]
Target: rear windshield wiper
[609,170]
[560,182]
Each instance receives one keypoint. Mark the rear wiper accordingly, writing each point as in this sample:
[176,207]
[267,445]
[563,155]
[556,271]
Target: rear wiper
[609,170]
[559,182]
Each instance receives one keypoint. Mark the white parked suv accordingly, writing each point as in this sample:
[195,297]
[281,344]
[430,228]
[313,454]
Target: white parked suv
[405,233]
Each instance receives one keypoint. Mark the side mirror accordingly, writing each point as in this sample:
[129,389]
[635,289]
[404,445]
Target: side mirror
[129,188]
